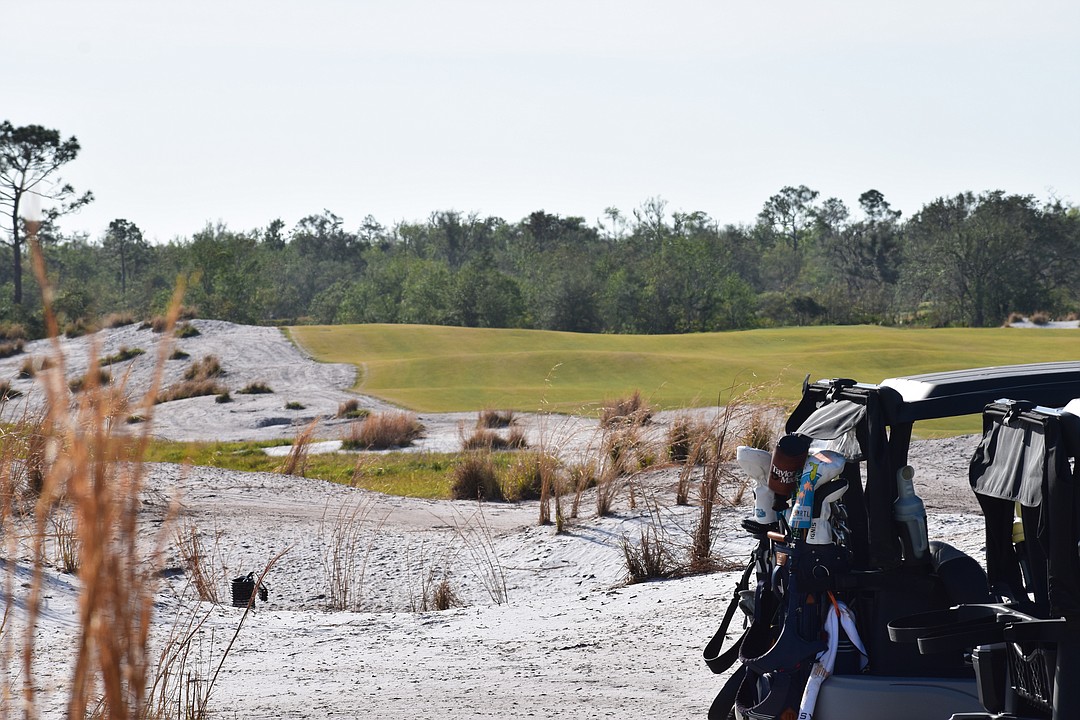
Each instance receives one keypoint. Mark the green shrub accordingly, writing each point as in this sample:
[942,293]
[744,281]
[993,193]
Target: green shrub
[178,354]
[223,398]
[293,405]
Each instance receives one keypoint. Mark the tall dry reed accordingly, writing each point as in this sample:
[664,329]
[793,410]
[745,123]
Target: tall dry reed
[97,474]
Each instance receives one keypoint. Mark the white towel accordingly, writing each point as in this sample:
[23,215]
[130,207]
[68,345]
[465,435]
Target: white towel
[840,616]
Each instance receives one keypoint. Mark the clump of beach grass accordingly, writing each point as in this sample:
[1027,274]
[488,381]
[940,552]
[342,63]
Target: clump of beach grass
[122,355]
[351,410]
[629,410]
[484,439]
[383,431]
[200,379]
[476,478]
[255,388]
[495,419]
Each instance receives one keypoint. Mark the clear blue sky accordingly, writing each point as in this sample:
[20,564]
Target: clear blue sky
[244,111]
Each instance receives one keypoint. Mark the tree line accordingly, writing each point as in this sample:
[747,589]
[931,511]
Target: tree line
[962,260]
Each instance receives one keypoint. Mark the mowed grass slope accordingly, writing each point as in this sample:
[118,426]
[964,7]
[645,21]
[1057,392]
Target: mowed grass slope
[442,369]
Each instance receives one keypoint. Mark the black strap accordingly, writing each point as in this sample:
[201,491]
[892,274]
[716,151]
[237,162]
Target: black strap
[725,699]
[718,661]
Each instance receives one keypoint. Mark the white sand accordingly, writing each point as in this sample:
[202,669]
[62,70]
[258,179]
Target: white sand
[567,640]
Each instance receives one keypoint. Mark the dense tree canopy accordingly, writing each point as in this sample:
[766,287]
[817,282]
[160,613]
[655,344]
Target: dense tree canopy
[968,259]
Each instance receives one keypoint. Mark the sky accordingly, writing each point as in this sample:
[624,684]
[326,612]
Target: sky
[242,112]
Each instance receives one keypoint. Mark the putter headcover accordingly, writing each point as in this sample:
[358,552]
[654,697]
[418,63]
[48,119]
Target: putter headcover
[756,463]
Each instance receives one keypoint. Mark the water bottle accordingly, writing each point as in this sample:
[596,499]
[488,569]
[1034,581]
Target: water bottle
[910,514]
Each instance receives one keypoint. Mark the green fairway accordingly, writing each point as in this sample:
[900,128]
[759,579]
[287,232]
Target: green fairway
[441,369]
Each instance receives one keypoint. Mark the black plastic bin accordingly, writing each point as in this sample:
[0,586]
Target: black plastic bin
[243,588]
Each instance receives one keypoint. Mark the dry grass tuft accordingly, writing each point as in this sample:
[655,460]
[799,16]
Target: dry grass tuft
[350,409]
[483,439]
[11,348]
[1014,317]
[93,379]
[345,554]
[117,320]
[255,388]
[186,330]
[65,544]
[28,369]
[719,453]
[202,570]
[296,461]
[1040,317]
[122,355]
[7,392]
[190,389]
[652,558]
[443,596]
[583,476]
[495,419]
[12,331]
[382,431]
[79,327]
[759,431]
[631,410]
[475,478]
[527,477]
[205,369]
[686,440]
[200,379]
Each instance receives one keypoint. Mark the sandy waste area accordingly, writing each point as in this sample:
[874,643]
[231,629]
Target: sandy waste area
[546,625]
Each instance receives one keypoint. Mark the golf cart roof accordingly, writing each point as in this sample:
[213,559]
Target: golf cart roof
[960,392]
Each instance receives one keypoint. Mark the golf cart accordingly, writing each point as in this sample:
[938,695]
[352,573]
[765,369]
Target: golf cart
[852,611]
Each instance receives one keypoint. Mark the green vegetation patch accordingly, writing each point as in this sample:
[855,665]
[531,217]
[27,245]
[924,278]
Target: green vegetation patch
[421,475]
